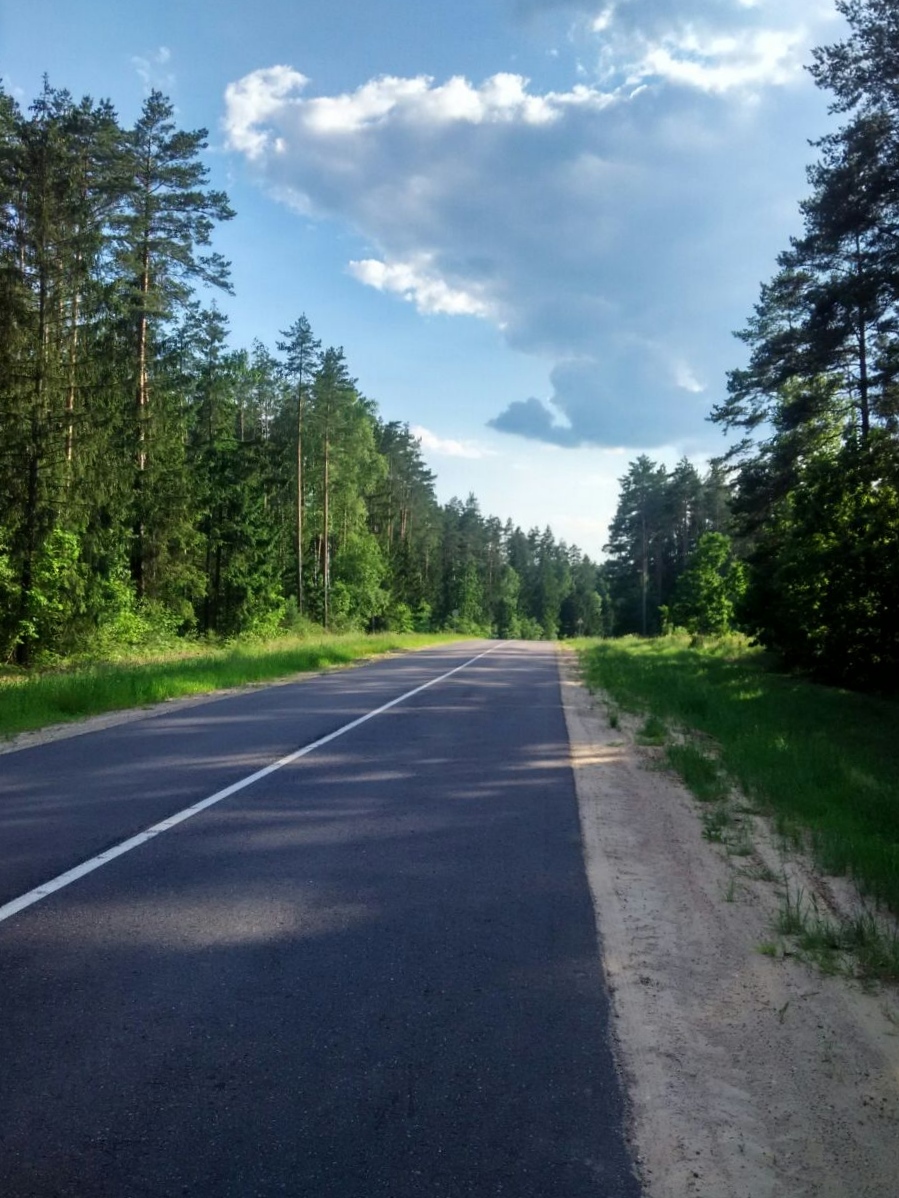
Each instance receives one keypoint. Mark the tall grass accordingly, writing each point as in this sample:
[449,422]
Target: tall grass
[35,700]
[824,762]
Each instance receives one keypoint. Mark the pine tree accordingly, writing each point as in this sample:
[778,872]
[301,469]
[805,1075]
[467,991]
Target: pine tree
[636,538]
[303,353]
[334,410]
[165,223]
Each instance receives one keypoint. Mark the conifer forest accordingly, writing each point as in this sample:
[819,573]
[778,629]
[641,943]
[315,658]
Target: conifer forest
[155,481]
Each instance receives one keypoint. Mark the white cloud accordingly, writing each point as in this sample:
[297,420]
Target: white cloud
[252,101]
[419,283]
[415,102]
[502,98]
[619,231]
[717,64]
[685,378]
[714,46]
[446,447]
[603,20]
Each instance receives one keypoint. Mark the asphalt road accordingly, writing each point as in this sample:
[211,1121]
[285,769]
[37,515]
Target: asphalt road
[371,974]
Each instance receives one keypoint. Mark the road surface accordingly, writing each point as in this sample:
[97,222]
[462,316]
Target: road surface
[371,973]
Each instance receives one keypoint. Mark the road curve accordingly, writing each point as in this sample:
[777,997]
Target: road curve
[371,974]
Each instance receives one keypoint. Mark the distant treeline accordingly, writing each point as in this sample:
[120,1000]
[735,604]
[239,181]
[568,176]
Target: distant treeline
[813,486]
[154,481]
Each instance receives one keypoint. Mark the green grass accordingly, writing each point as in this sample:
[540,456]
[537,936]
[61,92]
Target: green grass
[700,772]
[35,700]
[823,762]
[861,944]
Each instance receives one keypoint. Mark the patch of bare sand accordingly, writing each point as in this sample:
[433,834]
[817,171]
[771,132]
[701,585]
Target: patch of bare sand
[748,1077]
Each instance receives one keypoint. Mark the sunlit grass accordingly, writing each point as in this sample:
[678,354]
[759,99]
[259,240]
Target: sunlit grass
[36,700]
[822,761]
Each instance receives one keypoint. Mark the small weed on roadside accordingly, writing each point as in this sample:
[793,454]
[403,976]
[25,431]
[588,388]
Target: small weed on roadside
[653,731]
[739,844]
[759,872]
[714,824]
[791,919]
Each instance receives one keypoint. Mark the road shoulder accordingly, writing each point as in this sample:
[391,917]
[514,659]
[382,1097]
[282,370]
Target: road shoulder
[748,1076]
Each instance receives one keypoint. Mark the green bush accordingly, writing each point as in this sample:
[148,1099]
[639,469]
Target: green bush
[708,591]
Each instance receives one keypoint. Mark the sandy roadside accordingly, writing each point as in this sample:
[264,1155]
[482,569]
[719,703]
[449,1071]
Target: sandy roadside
[748,1076]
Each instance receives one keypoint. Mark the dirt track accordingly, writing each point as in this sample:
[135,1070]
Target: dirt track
[749,1076]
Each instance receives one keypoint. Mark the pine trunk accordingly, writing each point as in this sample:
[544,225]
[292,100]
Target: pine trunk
[300,499]
[141,404]
[326,564]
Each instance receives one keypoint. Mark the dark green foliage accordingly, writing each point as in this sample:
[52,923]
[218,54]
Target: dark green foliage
[521,584]
[826,571]
[711,586]
[861,71]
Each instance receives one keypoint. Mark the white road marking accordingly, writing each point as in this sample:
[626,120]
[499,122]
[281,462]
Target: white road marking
[14,906]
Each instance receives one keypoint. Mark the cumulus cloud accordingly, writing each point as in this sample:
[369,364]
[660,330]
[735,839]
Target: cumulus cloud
[617,229]
[416,103]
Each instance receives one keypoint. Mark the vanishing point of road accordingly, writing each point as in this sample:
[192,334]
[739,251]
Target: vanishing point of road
[371,972]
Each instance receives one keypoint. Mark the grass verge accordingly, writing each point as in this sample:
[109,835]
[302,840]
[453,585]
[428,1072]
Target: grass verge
[36,700]
[823,762]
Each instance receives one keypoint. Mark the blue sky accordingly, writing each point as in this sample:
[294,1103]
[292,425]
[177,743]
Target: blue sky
[532,224]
